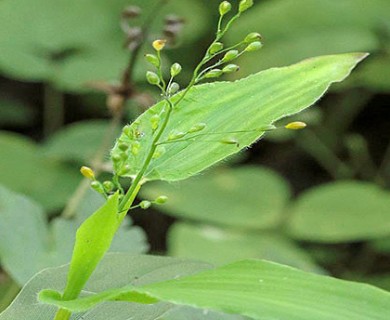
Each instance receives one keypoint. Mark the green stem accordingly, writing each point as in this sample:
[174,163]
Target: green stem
[62,314]
[53,113]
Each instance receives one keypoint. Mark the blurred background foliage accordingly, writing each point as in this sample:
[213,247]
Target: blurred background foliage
[316,199]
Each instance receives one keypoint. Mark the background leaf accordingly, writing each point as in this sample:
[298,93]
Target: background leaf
[220,246]
[28,243]
[341,212]
[247,197]
[298,29]
[25,170]
[246,105]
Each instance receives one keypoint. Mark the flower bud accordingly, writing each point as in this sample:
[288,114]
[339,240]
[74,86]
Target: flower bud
[152,59]
[108,186]
[97,186]
[254,46]
[87,172]
[215,73]
[159,152]
[152,78]
[252,37]
[135,147]
[215,47]
[224,7]
[197,127]
[123,146]
[230,55]
[154,121]
[116,158]
[159,44]
[230,141]
[127,130]
[175,69]
[145,204]
[173,88]
[174,135]
[230,68]
[296,125]
[161,200]
[245,5]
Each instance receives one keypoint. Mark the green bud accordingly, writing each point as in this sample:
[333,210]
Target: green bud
[215,47]
[152,78]
[174,135]
[135,147]
[252,37]
[123,146]
[154,121]
[215,73]
[173,88]
[230,55]
[116,158]
[145,204]
[230,68]
[108,186]
[123,156]
[125,170]
[161,200]
[197,127]
[224,7]
[245,5]
[97,186]
[269,127]
[175,69]
[230,141]
[254,46]
[159,152]
[152,59]
[127,130]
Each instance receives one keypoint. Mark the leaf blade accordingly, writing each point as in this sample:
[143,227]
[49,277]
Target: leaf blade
[228,107]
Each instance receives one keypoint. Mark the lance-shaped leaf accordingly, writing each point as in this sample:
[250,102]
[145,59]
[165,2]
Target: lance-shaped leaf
[236,112]
[93,239]
[258,289]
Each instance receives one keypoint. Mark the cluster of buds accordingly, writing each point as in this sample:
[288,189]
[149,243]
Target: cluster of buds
[156,78]
[105,188]
[225,56]
[146,204]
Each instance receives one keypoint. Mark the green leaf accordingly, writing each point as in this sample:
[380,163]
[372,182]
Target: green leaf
[220,246]
[341,212]
[28,243]
[24,169]
[93,239]
[136,269]
[248,197]
[247,105]
[188,313]
[258,289]
[81,44]
[16,114]
[298,29]
[77,142]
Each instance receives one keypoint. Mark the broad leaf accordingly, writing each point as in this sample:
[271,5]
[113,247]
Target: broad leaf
[24,169]
[221,246]
[93,239]
[28,243]
[341,212]
[187,313]
[298,29]
[71,43]
[139,270]
[77,142]
[246,106]
[248,197]
[258,289]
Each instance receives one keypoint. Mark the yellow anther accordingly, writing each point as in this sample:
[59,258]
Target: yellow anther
[296,125]
[159,44]
[87,172]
